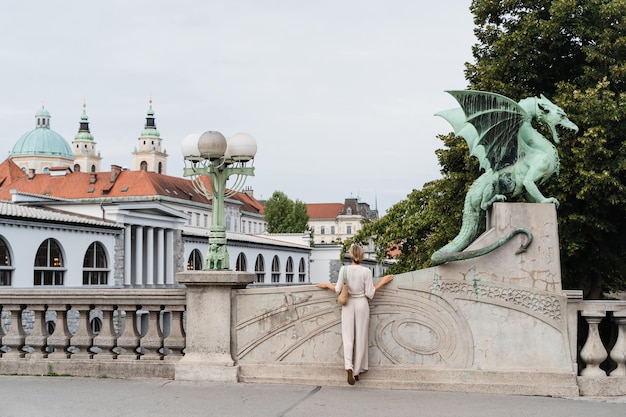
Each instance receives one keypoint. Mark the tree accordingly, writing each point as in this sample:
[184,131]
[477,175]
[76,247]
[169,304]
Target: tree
[574,52]
[283,215]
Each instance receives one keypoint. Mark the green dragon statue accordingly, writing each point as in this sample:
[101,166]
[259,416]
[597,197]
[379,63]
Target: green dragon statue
[514,155]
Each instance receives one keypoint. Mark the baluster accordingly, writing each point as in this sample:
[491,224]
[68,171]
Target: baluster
[129,339]
[152,340]
[15,336]
[83,338]
[593,352]
[37,339]
[105,340]
[60,338]
[618,353]
[175,340]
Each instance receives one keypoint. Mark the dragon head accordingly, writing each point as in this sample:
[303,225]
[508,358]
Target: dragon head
[552,116]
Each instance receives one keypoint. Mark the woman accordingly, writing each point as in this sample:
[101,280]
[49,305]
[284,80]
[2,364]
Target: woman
[355,314]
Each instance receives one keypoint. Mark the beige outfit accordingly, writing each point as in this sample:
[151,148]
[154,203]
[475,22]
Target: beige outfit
[355,317]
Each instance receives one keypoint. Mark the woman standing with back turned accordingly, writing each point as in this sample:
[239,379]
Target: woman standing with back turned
[355,314]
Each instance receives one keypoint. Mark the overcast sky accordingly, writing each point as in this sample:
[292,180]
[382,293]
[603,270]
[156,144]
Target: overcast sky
[340,95]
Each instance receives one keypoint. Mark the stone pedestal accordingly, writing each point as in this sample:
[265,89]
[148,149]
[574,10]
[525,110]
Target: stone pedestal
[208,354]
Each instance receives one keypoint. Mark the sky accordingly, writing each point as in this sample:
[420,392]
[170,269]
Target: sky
[340,95]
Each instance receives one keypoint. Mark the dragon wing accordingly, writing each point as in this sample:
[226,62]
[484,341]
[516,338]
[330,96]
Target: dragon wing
[489,123]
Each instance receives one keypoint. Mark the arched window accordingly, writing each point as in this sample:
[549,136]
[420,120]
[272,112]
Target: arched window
[6,267]
[95,265]
[259,269]
[302,271]
[160,170]
[289,270]
[93,168]
[241,264]
[194,263]
[275,269]
[49,268]
[143,166]
[76,168]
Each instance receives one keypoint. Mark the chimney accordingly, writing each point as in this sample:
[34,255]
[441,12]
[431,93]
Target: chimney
[31,173]
[92,178]
[115,172]
[249,192]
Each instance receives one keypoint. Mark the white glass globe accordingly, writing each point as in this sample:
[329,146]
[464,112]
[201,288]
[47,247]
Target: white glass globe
[212,145]
[189,147]
[242,147]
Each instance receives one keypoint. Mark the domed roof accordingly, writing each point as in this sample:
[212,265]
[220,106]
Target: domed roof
[42,140]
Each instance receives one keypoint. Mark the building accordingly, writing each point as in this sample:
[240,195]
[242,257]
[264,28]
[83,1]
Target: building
[337,222]
[65,223]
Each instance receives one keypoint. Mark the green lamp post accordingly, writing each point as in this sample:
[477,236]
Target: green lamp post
[212,155]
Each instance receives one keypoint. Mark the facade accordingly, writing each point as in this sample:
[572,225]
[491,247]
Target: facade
[65,223]
[333,223]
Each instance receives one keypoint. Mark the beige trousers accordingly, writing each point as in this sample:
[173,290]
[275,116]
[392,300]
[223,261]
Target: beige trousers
[355,322]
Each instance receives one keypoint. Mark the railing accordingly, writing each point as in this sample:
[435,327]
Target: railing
[96,325]
[600,326]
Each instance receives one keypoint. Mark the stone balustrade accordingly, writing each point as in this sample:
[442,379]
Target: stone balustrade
[142,332]
[139,332]
[598,333]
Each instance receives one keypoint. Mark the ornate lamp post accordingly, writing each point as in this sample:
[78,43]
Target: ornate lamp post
[212,155]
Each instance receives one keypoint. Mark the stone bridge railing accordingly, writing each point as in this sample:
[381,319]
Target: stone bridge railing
[141,332]
[112,332]
[598,340]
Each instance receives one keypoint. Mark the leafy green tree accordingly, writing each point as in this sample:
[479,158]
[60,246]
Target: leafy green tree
[574,52]
[284,215]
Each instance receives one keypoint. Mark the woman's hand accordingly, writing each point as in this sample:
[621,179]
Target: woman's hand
[326,285]
[383,281]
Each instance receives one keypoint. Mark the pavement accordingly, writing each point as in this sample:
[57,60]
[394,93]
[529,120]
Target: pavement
[27,396]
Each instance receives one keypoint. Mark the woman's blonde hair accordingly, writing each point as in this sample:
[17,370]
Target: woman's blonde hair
[356,253]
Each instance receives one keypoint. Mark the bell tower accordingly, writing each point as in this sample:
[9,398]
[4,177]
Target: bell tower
[148,154]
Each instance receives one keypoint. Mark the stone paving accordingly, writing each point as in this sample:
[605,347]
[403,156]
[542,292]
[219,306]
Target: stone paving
[22,396]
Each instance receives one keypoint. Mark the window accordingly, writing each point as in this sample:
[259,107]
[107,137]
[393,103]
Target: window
[301,271]
[259,269]
[332,230]
[349,229]
[95,271]
[289,270]
[322,230]
[194,263]
[275,269]
[160,168]
[143,166]
[49,264]
[241,264]
[5,264]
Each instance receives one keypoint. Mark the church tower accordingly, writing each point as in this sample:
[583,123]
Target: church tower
[86,159]
[148,155]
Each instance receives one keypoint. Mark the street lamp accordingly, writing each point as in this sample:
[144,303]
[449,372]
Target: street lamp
[212,155]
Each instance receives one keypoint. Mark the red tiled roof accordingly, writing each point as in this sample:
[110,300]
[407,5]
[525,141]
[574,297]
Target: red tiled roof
[324,210]
[85,185]
[10,172]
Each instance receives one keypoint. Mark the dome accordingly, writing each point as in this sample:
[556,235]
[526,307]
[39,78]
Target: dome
[42,140]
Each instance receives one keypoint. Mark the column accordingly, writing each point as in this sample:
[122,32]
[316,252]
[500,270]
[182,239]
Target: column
[161,257]
[139,255]
[169,257]
[150,280]
[208,354]
[128,254]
